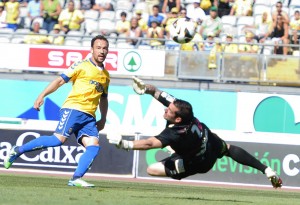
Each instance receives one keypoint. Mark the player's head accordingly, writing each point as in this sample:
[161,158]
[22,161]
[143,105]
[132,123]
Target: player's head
[179,112]
[99,49]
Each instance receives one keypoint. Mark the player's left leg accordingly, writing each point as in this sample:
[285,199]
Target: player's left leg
[88,137]
[243,157]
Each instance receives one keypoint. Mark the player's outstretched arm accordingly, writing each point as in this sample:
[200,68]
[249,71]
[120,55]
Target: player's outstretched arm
[141,88]
[53,86]
[143,144]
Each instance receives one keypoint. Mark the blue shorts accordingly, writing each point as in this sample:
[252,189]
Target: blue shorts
[77,122]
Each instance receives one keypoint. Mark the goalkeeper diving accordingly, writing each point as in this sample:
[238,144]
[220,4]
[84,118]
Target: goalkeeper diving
[196,147]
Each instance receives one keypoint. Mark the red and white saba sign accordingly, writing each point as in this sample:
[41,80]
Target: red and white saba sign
[63,58]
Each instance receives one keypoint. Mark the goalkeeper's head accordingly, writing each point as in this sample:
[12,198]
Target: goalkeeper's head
[185,111]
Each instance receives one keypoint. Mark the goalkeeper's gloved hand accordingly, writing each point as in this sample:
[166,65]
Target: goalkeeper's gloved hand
[138,86]
[117,140]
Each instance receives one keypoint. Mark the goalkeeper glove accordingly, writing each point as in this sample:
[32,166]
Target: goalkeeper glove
[116,139]
[138,86]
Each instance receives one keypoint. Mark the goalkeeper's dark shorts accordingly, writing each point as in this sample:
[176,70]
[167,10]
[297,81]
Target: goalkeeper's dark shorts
[177,167]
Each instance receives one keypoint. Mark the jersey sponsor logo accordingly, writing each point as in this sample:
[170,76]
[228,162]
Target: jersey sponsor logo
[99,86]
[64,58]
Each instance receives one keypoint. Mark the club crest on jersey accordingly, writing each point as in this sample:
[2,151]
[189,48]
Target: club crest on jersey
[98,87]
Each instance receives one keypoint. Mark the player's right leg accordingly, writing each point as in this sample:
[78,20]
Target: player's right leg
[173,167]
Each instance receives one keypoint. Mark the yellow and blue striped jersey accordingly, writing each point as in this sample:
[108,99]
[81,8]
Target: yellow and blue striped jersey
[90,82]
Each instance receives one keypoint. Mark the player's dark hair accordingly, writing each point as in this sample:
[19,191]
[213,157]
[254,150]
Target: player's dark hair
[185,110]
[100,37]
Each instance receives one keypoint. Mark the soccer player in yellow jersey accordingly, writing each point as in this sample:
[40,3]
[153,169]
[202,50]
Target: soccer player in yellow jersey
[77,116]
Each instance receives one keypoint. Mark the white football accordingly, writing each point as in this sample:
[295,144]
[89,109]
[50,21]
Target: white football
[182,30]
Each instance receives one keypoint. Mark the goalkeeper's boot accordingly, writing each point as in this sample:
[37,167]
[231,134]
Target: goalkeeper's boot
[273,177]
[79,183]
[12,156]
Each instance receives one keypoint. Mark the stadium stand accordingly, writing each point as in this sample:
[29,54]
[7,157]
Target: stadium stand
[105,22]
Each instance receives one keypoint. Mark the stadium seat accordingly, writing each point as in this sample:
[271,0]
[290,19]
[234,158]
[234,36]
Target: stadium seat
[257,18]
[242,39]
[6,32]
[28,24]
[43,31]
[77,4]
[90,25]
[260,9]
[107,15]
[22,31]
[141,6]
[263,2]
[71,42]
[17,39]
[188,1]
[145,16]
[241,30]
[227,28]
[227,19]
[113,38]
[295,3]
[106,25]
[245,20]
[123,4]
[273,2]
[86,42]
[91,14]
[76,35]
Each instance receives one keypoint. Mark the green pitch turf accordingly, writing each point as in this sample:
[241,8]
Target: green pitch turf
[38,190]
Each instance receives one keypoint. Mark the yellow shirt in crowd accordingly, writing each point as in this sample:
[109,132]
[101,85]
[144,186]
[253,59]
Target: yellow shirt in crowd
[12,12]
[122,25]
[71,19]
[230,48]
[240,6]
[35,38]
[295,25]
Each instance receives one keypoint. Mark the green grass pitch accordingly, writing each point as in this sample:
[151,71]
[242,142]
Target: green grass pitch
[42,190]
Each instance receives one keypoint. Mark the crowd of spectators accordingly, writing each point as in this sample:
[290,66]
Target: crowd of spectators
[150,19]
